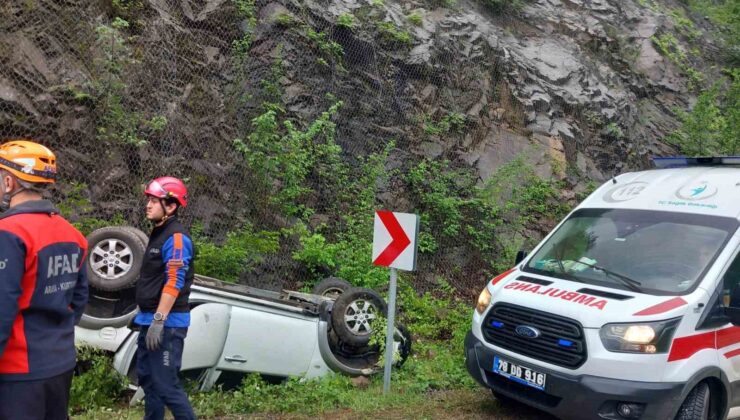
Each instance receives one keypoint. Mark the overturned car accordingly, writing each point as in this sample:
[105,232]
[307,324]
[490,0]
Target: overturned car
[236,329]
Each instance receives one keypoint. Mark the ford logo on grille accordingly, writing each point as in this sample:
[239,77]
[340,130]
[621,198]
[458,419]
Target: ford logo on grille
[527,331]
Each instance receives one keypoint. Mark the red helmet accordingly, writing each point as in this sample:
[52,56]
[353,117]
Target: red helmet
[168,187]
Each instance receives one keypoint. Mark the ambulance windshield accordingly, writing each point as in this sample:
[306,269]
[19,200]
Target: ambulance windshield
[647,251]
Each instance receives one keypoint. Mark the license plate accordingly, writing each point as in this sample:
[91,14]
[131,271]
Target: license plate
[517,373]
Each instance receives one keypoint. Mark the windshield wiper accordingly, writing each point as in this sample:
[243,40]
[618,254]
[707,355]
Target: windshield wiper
[632,284]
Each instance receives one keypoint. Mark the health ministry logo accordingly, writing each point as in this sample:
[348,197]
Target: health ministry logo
[696,191]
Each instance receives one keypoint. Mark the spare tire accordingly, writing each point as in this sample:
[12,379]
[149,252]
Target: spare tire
[114,258]
[353,314]
[331,287]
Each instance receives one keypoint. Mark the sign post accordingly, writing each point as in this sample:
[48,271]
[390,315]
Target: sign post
[394,246]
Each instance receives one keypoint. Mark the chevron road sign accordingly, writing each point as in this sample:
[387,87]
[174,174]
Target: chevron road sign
[394,240]
[394,246]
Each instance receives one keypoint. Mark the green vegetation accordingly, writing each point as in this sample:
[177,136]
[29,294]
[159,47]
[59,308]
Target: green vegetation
[346,20]
[415,18]
[98,385]
[77,208]
[119,122]
[245,10]
[390,32]
[285,20]
[713,125]
[668,46]
[452,122]
[240,252]
[503,6]
[325,45]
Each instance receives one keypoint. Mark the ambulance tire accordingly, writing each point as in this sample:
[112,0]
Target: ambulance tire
[353,313]
[114,258]
[331,287]
[697,405]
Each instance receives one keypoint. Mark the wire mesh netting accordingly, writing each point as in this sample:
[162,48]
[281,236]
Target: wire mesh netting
[292,120]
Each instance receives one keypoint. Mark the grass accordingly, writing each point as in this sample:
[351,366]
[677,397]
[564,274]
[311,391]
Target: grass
[474,403]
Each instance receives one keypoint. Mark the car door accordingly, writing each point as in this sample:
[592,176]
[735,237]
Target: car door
[269,341]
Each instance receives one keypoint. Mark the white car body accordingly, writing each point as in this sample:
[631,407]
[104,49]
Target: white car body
[239,329]
[502,353]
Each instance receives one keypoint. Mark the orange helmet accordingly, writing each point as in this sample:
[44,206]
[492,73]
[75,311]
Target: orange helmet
[28,161]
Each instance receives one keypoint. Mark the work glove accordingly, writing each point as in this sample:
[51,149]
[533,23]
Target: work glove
[154,335]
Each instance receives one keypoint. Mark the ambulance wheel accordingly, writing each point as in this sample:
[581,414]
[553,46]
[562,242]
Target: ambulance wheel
[353,314]
[698,404]
[331,287]
[114,258]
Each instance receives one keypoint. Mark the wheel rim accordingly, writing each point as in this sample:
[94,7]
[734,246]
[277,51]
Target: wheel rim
[111,259]
[332,292]
[359,315]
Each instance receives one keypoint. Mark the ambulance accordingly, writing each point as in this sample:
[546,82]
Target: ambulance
[629,308]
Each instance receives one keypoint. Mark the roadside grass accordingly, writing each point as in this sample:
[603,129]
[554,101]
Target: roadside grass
[470,404]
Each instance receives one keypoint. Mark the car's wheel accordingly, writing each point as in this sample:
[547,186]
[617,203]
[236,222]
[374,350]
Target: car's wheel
[114,258]
[697,405]
[404,348]
[353,314]
[331,287]
[140,234]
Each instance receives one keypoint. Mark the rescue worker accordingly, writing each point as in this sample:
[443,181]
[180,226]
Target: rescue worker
[162,293]
[43,287]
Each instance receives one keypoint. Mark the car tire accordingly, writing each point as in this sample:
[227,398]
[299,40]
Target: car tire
[697,405]
[140,234]
[114,258]
[331,287]
[404,349]
[353,313]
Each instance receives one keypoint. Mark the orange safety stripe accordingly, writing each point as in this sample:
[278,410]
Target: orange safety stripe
[173,264]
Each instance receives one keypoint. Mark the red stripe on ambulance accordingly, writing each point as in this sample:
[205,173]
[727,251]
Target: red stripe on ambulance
[502,276]
[685,347]
[662,307]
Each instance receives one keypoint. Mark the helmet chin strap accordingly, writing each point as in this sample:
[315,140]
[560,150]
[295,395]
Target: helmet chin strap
[164,211]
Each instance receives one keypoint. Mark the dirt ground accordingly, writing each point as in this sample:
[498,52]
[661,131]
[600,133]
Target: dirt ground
[448,405]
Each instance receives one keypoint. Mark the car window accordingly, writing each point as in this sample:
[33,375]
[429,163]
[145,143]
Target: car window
[656,252]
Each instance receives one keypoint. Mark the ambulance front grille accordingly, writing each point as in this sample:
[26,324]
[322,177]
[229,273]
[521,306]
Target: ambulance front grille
[558,340]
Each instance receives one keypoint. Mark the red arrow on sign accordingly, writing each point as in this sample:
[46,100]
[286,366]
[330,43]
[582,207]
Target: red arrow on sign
[399,239]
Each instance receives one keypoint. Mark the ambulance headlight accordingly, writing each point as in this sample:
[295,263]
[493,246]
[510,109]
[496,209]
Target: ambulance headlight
[643,337]
[484,299]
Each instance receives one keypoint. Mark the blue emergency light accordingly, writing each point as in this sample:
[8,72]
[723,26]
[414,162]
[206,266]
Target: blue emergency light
[682,161]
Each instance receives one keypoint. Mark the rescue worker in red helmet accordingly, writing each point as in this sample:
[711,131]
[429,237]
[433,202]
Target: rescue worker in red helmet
[43,287]
[162,293]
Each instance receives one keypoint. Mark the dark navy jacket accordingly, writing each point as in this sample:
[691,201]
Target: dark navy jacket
[43,291]
[167,268]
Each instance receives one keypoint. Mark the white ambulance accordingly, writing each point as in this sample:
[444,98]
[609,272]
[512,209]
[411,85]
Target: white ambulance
[627,310]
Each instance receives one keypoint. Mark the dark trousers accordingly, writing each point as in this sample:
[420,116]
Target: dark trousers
[157,372]
[40,399]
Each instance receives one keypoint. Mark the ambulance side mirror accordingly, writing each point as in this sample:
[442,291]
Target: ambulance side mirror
[520,256]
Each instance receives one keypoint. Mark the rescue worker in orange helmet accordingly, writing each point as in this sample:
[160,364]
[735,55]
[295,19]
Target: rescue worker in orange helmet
[43,287]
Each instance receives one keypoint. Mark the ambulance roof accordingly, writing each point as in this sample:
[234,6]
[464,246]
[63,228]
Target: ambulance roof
[710,190]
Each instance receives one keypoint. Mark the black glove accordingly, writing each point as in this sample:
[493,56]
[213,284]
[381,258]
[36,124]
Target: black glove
[154,335]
